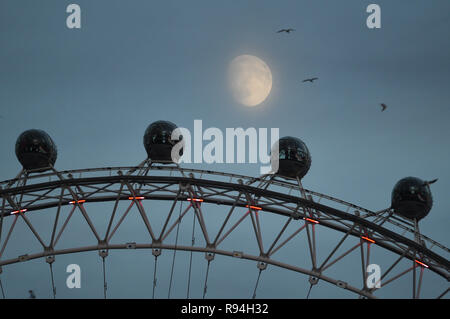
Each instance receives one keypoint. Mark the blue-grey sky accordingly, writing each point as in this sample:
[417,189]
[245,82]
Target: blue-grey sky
[96,89]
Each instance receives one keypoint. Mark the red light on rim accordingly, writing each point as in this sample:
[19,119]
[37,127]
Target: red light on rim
[195,199]
[253,207]
[311,220]
[421,263]
[18,211]
[77,201]
[137,198]
[368,239]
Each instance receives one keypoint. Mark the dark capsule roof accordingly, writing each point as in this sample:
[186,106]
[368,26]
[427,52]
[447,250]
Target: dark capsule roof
[158,141]
[294,157]
[411,198]
[35,150]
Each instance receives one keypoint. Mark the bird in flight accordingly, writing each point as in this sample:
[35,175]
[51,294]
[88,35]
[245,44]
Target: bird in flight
[383,107]
[431,182]
[286,30]
[310,80]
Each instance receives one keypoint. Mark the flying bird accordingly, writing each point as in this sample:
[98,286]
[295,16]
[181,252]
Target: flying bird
[310,80]
[431,182]
[286,30]
[383,107]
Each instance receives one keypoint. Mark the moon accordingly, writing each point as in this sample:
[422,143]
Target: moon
[250,80]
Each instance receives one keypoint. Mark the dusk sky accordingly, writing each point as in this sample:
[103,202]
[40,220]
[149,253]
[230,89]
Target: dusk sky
[95,90]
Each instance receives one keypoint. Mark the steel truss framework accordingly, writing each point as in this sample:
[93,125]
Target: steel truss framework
[31,192]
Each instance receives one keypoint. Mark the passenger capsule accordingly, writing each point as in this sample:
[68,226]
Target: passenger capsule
[411,198]
[158,141]
[294,158]
[35,150]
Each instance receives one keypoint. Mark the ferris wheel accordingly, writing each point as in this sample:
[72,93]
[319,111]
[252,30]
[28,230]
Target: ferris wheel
[271,221]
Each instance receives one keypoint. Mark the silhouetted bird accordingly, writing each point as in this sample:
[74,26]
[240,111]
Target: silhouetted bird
[32,295]
[431,182]
[310,80]
[383,107]
[286,30]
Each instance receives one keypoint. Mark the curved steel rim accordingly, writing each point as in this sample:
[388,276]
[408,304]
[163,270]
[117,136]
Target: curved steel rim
[344,285]
[241,188]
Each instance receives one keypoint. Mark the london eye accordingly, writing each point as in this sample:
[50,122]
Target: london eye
[198,226]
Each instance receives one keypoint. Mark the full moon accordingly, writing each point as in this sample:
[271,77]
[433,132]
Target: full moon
[250,80]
